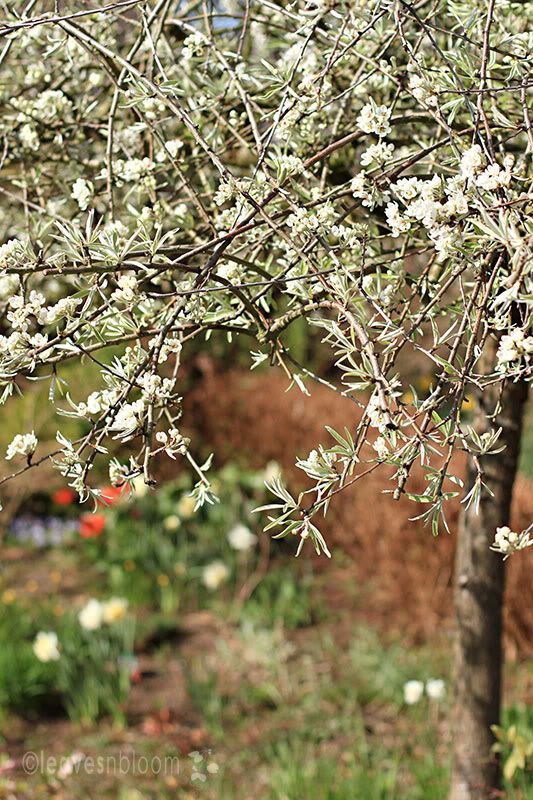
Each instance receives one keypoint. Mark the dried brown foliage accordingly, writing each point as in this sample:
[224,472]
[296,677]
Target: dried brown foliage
[404,579]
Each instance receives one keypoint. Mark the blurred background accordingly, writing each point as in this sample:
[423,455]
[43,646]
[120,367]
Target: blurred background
[154,651]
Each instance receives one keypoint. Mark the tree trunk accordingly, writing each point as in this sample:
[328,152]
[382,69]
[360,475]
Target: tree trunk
[478,597]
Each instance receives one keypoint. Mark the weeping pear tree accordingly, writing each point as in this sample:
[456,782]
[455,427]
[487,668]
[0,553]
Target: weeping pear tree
[171,171]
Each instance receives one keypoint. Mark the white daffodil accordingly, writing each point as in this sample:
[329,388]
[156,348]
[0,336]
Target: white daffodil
[214,575]
[412,692]
[435,688]
[114,610]
[45,646]
[91,615]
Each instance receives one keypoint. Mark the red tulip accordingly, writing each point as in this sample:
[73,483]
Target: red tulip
[91,525]
[111,494]
[64,497]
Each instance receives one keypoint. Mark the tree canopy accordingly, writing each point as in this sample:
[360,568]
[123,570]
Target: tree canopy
[173,169]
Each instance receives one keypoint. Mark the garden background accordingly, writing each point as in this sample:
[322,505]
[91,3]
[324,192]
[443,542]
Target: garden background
[284,678]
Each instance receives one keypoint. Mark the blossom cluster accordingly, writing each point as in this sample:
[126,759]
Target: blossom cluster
[507,541]
[515,347]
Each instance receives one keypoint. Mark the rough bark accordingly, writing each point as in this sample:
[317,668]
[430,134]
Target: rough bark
[478,598]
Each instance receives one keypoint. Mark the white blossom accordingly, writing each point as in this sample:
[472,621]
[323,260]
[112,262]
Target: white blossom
[422,91]
[52,105]
[493,177]
[11,253]
[171,148]
[472,161]
[134,169]
[406,188]
[446,240]
[193,46]
[457,205]
[425,210]
[397,223]
[507,541]
[82,192]
[128,419]
[374,119]
[29,138]
[381,447]
[377,413]
[127,289]
[223,207]
[289,164]
[514,346]
[378,153]
[173,442]
[23,444]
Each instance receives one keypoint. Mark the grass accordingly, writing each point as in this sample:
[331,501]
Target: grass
[286,597]
[330,723]
[335,726]
[370,773]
